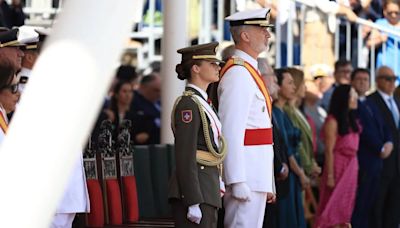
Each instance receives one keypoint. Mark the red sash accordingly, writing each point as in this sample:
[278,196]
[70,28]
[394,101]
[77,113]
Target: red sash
[256,76]
[3,123]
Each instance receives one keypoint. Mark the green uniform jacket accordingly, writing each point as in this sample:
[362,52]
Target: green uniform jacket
[192,183]
[306,147]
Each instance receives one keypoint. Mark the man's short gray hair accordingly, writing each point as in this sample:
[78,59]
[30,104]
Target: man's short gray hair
[235,31]
[263,66]
[227,52]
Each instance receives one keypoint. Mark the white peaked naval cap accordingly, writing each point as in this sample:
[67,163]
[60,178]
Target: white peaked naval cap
[27,35]
[258,17]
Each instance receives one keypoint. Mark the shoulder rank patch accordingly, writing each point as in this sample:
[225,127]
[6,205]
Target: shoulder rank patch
[187,116]
[188,93]
[238,61]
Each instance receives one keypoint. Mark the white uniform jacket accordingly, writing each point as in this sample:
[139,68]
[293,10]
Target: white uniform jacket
[25,72]
[242,106]
[76,197]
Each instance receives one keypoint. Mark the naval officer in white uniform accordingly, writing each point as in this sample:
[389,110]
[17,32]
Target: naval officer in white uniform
[75,199]
[245,112]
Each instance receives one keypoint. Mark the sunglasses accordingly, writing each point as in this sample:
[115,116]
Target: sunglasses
[14,88]
[389,78]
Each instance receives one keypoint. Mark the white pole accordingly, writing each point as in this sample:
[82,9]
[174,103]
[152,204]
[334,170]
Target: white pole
[359,45]
[379,27]
[289,34]
[206,21]
[348,41]
[302,26]
[396,57]
[152,42]
[175,37]
[58,109]
[384,53]
[233,7]
[278,40]
[220,20]
[337,33]
[372,66]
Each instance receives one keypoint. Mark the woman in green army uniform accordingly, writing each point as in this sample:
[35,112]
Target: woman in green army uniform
[196,187]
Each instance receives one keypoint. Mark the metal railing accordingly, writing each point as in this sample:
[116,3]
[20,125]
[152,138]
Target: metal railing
[42,12]
[209,30]
[360,23]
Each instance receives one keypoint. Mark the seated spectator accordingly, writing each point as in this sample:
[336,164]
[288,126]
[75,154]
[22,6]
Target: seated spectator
[146,106]
[120,104]
[128,73]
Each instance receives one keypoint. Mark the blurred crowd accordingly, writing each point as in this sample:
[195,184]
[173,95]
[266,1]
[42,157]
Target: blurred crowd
[339,147]
[136,98]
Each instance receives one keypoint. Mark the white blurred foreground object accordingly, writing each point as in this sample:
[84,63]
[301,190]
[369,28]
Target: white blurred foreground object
[58,109]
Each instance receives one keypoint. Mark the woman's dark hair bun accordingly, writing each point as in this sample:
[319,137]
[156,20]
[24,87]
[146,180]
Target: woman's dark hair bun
[179,71]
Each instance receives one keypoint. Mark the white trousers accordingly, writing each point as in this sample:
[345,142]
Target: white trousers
[249,214]
[62,220]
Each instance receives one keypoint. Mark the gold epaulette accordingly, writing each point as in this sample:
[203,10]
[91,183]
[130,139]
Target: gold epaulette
[238,61]
[188,93]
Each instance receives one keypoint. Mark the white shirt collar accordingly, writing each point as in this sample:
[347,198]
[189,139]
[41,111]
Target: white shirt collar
[362,98]
[384,95]
[202,92]
[246,57]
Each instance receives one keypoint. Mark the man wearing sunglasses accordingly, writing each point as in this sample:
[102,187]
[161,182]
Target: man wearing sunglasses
[386,212]
[11,41]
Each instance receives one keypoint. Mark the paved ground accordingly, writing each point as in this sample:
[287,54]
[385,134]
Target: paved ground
[147,224]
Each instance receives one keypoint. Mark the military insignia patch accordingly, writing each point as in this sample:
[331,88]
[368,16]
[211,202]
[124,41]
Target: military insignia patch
[187,116]
[238,61]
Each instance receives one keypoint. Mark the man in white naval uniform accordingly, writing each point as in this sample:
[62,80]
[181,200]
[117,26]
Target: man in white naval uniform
[245,112]
[75,199]
[31,54]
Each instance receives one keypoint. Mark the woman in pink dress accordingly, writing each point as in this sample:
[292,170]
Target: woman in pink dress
[339,179]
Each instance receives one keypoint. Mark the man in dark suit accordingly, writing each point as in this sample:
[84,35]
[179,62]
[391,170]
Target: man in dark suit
[387,208]
[375,144]
[146,106]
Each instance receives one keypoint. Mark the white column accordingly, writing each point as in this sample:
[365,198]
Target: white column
[278,40]
[206,13]
[220,20]
[289,34]
[337,33]
[58,109]
[175,36]
[359,46]
[348,41]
